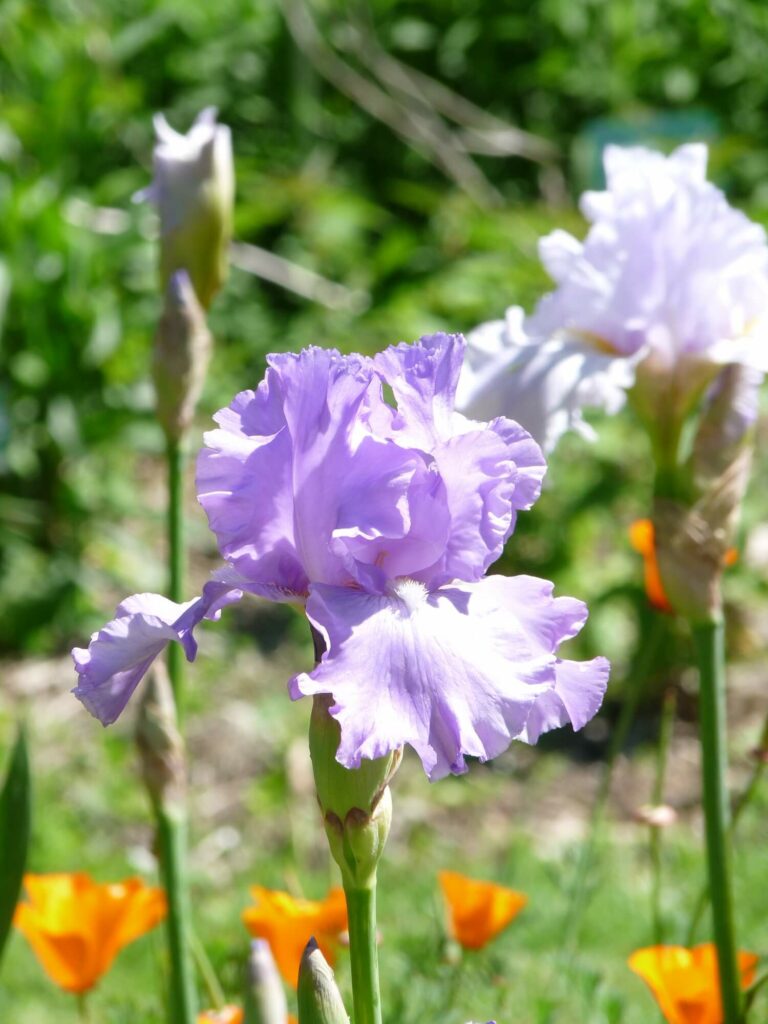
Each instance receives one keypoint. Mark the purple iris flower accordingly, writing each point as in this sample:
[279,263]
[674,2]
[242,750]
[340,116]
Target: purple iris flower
[381,519]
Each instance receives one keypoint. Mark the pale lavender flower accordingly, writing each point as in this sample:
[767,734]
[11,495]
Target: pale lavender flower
[382,520]
[545,385]
[669,285]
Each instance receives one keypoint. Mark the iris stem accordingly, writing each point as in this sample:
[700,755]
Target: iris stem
[172,835]
[176,560]
[740,805]
[668,710]
[363,953]
[709,642]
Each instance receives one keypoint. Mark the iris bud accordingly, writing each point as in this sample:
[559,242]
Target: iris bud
[318,994]
[265,1001]
[182,352]
[161,748]
[193,189]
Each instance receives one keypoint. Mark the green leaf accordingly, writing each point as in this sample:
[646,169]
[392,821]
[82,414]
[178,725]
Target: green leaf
[15,814]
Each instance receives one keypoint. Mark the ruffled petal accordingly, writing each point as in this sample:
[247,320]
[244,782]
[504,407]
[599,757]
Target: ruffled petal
[244,483]
[120,654]
[579,690]
[452,672]
[423,377]
[543,386]
[484,487]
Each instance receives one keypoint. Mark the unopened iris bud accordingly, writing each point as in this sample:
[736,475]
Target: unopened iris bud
[161,748]
[265,1001]
[356,803]
[193,189]
[319,998]
[182,352]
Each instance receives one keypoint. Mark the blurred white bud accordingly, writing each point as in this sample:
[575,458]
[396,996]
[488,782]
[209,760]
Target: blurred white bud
[193,190]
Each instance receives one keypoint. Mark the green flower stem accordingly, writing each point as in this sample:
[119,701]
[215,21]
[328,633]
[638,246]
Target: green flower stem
[580,890]
[172,835]
[83,1009]
[709,643]
[740,805]
[363,953]
[176,560]
[666,726]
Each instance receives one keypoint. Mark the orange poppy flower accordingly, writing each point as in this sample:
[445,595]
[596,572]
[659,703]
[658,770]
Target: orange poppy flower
[77,926]
[641,537]
[686,982]
[226,1015]
[288,924]
[478,910]
[231,1015]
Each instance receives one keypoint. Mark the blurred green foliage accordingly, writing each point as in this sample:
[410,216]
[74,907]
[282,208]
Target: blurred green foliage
[322,183]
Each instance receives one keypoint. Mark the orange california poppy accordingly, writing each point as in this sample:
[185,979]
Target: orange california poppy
[288,924]
[478,910]
[226,1015]
[686,982]
[77,926]
[641,537]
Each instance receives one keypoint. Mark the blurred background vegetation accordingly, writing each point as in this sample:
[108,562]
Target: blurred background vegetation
[408,155]
[350,163]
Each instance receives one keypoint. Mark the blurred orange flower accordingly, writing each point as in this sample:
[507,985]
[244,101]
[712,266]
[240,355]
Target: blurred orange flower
[686,982]
[288,924]
[226,1015]
[77,926]
[641,537]
[478,910]
[231,1015]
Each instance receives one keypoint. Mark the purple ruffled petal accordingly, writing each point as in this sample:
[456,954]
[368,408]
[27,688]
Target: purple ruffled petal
[244,484]
[423,377]
[579,690]
[120,654]
[452,672]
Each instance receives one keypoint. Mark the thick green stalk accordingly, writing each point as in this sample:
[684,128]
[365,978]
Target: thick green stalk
[740,805]
[363,953]
[709,642]
[172,836]
[176,560]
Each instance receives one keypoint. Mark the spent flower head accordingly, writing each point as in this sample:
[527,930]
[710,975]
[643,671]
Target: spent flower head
[382,521]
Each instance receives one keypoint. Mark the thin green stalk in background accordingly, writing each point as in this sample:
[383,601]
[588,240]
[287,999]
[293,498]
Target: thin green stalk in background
[669,708]
[739,806]
[176,560]
[709,642]
[363,953]
[580,890]
[172,835]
